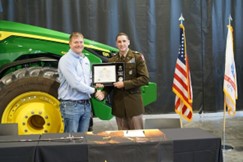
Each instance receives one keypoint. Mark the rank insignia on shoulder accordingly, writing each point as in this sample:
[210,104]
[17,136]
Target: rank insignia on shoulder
[142,57]
[132,60]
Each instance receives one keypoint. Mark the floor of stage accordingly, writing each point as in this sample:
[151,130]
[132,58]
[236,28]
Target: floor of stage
[211,122]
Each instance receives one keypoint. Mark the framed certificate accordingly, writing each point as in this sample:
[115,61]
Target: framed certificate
[108,73]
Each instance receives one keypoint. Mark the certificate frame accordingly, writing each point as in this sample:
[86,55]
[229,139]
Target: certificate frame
[108,73]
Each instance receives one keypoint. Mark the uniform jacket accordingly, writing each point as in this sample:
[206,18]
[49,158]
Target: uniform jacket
[127,102]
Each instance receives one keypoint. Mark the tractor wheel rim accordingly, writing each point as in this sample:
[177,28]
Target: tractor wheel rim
[35,112]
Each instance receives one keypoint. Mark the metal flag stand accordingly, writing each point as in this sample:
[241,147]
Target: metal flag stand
[224,146]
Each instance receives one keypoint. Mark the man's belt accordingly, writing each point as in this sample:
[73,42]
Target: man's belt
[75,101]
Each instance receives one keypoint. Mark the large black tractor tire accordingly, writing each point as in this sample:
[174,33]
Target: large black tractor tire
[29,97]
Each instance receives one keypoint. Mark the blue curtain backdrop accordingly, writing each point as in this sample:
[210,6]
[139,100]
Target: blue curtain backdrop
[153,28]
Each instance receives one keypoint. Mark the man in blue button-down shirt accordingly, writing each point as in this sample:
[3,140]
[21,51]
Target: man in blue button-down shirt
[75,86]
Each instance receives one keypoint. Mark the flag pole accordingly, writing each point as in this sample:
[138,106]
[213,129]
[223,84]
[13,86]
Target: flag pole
[224,124]
[181,19]
[224,146]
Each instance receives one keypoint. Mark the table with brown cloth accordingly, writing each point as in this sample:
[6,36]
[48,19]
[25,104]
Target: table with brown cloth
[114,146]
[166,145]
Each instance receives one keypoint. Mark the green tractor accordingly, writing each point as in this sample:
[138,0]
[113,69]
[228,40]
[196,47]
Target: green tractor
[28,77]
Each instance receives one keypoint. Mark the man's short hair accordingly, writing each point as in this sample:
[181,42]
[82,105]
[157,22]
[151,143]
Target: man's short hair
[122,33]
[75,35]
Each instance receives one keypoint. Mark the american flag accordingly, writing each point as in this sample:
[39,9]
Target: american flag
[230,81]
[182,81]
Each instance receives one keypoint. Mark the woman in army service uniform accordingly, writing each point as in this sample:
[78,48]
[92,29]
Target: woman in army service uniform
[126,99]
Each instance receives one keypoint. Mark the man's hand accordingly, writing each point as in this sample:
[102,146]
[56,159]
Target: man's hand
[118,84]
[100,95]
[98,85]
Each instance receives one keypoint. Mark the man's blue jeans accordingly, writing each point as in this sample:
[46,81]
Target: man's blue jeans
[76,116]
